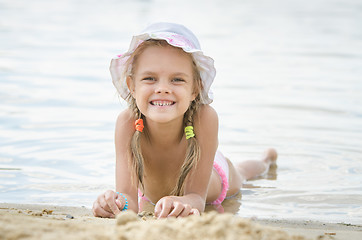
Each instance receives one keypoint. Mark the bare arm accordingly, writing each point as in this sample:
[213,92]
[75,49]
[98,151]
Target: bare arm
[124,182]
[206,131]
[110,203]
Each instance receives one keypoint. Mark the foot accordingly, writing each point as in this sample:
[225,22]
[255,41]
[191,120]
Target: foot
[270,156]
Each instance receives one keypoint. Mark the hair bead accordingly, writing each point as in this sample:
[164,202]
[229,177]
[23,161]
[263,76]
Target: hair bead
[139,125]
[189,132]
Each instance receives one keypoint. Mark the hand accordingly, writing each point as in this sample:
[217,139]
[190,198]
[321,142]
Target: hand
[108,205]
[170,207]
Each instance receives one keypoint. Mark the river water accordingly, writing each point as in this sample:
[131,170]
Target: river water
[289,76]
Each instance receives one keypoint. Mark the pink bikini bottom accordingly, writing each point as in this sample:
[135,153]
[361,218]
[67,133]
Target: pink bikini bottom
[222,168]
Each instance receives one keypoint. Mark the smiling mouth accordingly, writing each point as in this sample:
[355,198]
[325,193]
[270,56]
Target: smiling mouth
[162,103]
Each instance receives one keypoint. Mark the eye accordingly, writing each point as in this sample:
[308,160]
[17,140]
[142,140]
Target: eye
[149,79]
[178,80]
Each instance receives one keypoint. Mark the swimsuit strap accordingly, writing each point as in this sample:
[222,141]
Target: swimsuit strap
[143,197]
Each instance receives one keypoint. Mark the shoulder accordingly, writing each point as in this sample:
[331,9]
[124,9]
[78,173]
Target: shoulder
[206,123]
[206,116]
[124,124]
[125,117]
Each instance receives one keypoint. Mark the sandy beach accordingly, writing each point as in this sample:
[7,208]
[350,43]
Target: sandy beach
[29,221]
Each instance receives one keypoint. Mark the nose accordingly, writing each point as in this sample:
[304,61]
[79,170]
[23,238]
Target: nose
[163,87]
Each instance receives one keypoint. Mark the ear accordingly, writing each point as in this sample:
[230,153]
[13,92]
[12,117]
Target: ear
[194,95]
[130,85]
[196,89]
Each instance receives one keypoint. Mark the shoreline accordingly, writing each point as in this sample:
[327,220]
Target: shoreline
[39,221]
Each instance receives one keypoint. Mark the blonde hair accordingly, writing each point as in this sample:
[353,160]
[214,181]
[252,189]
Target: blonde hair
[192,155]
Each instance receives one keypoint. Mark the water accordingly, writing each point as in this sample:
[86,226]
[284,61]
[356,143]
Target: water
[289,76]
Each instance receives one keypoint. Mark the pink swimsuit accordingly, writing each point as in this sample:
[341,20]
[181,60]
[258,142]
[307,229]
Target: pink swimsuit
[222,168]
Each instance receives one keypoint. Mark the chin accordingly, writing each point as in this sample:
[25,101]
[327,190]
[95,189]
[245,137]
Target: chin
[158,118]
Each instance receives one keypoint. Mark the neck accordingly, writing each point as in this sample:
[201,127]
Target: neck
[165,134]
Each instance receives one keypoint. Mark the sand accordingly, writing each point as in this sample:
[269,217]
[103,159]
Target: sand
[22,221]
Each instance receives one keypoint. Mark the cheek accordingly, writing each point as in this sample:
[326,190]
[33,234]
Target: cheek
[141,105]
[140,90]
[141,95]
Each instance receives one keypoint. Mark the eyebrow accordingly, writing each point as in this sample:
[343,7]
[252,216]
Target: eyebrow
[173,74]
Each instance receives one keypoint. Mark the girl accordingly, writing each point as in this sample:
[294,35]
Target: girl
[166,142]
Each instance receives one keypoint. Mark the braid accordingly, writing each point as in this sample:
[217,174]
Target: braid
[137,160]
[192,152]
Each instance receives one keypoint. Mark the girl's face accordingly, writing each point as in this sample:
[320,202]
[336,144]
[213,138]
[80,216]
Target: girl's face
[162,83]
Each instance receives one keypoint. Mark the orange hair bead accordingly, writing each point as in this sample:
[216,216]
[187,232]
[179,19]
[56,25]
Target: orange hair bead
[139,125]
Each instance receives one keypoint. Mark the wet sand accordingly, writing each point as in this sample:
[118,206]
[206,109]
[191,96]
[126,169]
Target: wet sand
[29,221]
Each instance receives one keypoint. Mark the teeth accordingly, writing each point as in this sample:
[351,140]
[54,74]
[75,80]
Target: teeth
[161,103]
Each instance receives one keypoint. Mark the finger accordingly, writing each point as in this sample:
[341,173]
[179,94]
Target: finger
[98,211]
[165,208]
[120,204]
[186,211]
[103,203]
[102,213]
[194,211]
[110,198]
[158,208]
[177,209]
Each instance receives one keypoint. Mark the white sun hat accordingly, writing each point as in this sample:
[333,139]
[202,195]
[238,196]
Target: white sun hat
[176,35]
